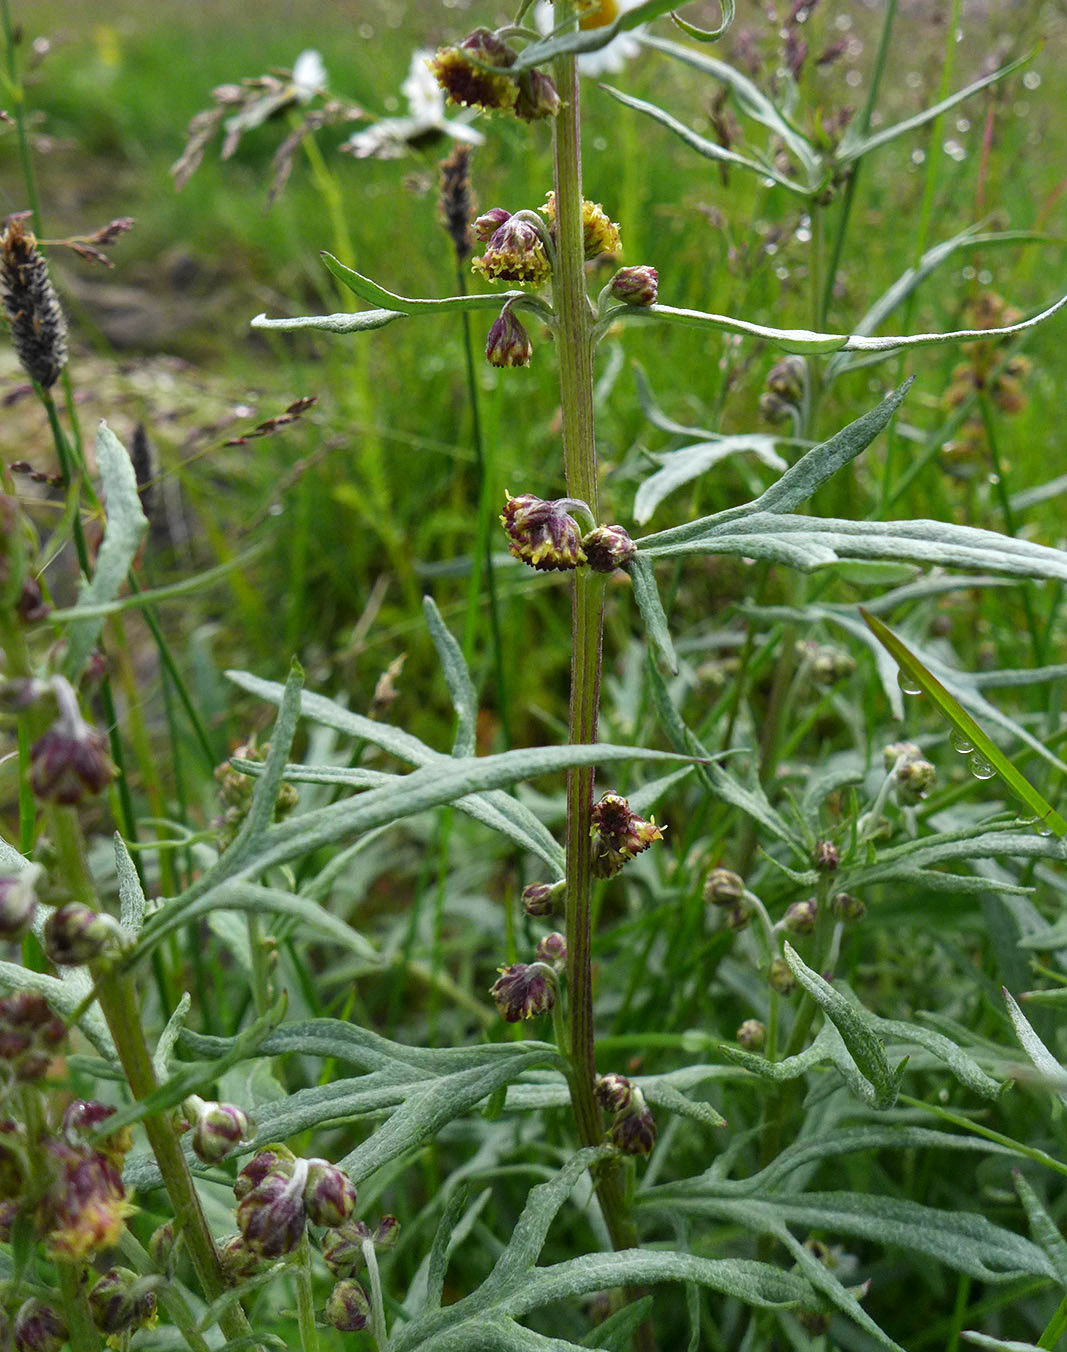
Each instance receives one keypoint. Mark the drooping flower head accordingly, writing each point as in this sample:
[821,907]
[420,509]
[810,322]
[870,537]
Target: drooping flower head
[461,73]
[600,234]
[618,835]
[523,990]
[515,253]
[542,533]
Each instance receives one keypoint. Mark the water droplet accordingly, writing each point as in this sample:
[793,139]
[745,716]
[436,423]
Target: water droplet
[960,743]
[980,767]
[908,684]
[1032,80]
[1043,829]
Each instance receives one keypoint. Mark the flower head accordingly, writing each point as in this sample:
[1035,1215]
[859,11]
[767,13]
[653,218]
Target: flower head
[542,533]
[600,234]
[329,1194]
[121,1302]
[635,286]
[85,1206]
[71,759]
[39,1328]
[618,835]
[515,253]
[348,1307]
[18,901]
[218,1128]
[76,934]
[508,343]
[461,73]
[272,1217]
[28,298]
[523,990]
[82,1118]
[607,548]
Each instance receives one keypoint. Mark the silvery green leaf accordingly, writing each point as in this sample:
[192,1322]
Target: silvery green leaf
[661,1094]
[132,899]
[690,462]
[854,146]
[799,482]
[169,1036]
[708,34]
[992,1344]
[1042,1059]
[855,1026]
[750,99]
[646,595]
[11,861]
[342,322]
[588,39]
[125,529]
[457,678]
[374,294]
[496,809]
[1042,1227]
[710,150]
[965,1068]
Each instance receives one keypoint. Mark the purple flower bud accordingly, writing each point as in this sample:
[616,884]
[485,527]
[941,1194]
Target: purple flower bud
[348,1307]
[618,835]
[386,1232]
[847,907]
[70,760]
[523,990]
[31,605]
[161,1245]
[81,1120]
[723,887]
[272,1218]
[486,226]
[780,976]
[121,1302]
[515,253]
[30,1034]
[218,1128]
[537,97]
[800,918]
[752,1035]
[542,533]
[342,1248]
[540,898]
[508,343]
[84,1208]
[276,1160]
[76,934]
[826,857]
[607,548]
[552,950]
[39,1328]
[329,1194]
[635,286]
[613,1092]
[633,1130]
[238,1260]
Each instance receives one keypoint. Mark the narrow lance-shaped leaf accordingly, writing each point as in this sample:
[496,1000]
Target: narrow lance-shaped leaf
[585,40]
[1042,1059]
[126,526]
[646,594]
[966,726]
[854,1025]
[374,294]
[707,34]
[457,677]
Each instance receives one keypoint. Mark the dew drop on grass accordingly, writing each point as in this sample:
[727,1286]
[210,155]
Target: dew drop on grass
[908,684]
[960,743]
[1043,829]
[980,767]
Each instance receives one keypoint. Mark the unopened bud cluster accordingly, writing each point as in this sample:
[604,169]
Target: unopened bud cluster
[70,761]
[75,934]
[915,776]
[618,835]
[278,1195]
[543,534]
[632,1129]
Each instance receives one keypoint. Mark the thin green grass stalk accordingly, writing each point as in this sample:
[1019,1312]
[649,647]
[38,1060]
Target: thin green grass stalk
[931,181]
[1057,1327]
[863,125]
[16,93]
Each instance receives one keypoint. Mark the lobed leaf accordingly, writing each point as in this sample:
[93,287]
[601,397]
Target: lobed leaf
[690,462]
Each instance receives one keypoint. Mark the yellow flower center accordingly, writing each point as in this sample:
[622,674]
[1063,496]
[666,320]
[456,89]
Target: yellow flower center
[600,15]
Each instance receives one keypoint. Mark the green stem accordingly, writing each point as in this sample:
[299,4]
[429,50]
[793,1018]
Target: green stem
[1057,1326]
[574,342]
[305,1305]
[119,1005]
[17,96]
[83,1336]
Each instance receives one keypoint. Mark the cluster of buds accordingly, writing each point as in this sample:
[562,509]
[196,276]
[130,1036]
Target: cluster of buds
[38,328]
[725,889]
[986,372]
[826,664]
[278,1194]
[600,234]
[75,934]
[524,990]
[121,1303]
[84,1207]
[474,74]
[514,248]
[345,1250]
[70,761]
[30,1035]
[217,1128]
[39,1327]
[915,776]
[618,835]
[542,533]
[633,1128]
[235,791]
[783,391]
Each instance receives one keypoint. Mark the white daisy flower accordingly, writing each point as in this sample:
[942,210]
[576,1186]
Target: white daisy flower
[608,60]
[394,137]
[309,75]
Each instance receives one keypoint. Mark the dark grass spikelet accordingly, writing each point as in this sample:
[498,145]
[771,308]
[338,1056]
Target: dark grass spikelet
[456,202]
[38,328]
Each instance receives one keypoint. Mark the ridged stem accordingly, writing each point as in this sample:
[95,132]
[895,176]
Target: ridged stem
[574,344]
